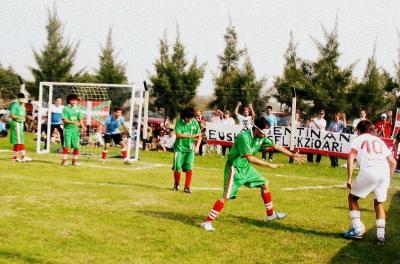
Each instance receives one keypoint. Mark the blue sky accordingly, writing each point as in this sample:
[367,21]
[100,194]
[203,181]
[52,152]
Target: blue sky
[263,27]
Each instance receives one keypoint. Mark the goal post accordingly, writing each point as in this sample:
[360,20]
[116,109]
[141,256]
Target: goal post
[96,102]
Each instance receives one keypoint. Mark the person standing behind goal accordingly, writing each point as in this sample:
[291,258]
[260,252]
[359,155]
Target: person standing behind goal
[56,112]
[112,124]
[72,117]
[187,143]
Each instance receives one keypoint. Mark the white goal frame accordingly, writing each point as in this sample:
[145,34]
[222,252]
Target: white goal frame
[142,101]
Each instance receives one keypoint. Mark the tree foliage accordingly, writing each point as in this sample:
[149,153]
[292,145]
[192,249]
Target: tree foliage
[9,83]
[111,71]
[56,59]
[175,81]
[235,83]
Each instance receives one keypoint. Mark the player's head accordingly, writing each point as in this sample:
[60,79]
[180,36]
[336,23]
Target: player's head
[117,112]
[260,127]
[72,99]
[187,114]
[21,97]
[365,126]
[58,100]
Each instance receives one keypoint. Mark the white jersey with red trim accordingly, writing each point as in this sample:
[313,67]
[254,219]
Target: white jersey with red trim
[371,152]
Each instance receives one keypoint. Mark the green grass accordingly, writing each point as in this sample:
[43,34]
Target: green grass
[127,214]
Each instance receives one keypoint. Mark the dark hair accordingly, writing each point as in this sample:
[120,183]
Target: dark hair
[117,109]
[261,123]
[58,97]
[365,126]
[21,95]
[71,97]
[269,107]
[187,113]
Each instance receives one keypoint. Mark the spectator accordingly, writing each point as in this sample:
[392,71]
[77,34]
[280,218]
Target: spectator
[28,123]
[216,118]
[383,127]
[396,151]
[317,123]
[3,129]
[228,121]
[391,119]
[363,116]
[271,119]
[203,137]
[167,141]
[248,115]
[29,107]
[337,126]
[199,116]
[298,124]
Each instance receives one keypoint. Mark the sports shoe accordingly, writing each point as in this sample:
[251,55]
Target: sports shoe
[380,241]
[26,159]
[102,161]
[176,187]
[352,234]
[75,163]
[276,215]
[64,162]
[187,190]
[19,160]
[207,226]
[127,161]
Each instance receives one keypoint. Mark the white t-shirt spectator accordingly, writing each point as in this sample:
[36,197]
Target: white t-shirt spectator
[245,120]
[318,123]
[228,121]
[168,141]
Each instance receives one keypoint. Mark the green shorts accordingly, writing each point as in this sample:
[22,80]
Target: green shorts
[183,161]
[16,132]
[235,177]
[71,138]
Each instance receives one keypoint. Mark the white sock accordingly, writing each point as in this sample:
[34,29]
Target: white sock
[380,228]
[356,220]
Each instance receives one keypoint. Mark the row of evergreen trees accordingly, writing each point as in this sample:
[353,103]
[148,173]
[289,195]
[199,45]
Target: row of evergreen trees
[321,83]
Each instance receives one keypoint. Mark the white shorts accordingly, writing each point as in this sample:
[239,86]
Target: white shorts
[370,181]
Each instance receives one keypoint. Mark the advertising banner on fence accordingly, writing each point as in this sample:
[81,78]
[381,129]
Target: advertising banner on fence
[306,140]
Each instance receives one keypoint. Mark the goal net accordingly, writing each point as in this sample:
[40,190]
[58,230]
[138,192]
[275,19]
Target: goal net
[96,102]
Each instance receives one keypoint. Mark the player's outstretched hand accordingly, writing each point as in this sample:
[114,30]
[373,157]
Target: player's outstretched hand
[299,158]
[275,166]
[349,185]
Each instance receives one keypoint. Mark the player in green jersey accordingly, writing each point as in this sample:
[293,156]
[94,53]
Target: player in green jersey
[239,171]
[72,117]
[17,116]
[187,143]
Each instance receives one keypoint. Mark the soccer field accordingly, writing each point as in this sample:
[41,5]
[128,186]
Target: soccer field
[116,213]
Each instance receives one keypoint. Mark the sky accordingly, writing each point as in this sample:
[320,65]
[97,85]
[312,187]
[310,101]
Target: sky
[263,27]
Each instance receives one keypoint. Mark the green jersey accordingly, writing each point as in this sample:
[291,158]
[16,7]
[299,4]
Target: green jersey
[190,128]
[19,111]
[72,113]
[246,144]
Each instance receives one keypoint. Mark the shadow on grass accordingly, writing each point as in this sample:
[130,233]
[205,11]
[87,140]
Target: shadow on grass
[13,255]
[276,225]
[192,220]
[365,251]
[345,208]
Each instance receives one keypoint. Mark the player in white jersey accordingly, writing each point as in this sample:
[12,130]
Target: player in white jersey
[377,166]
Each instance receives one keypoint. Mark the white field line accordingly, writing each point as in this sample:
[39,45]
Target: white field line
[145,167]
[312,187]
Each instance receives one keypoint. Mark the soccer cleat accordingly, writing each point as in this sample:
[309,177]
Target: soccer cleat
[26,159]
[175,188]
[380,241]
[352,234]
[276,215]
[187,190]
[127,161]
[207,226]
[75,163]
[64,162]
[19,160]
